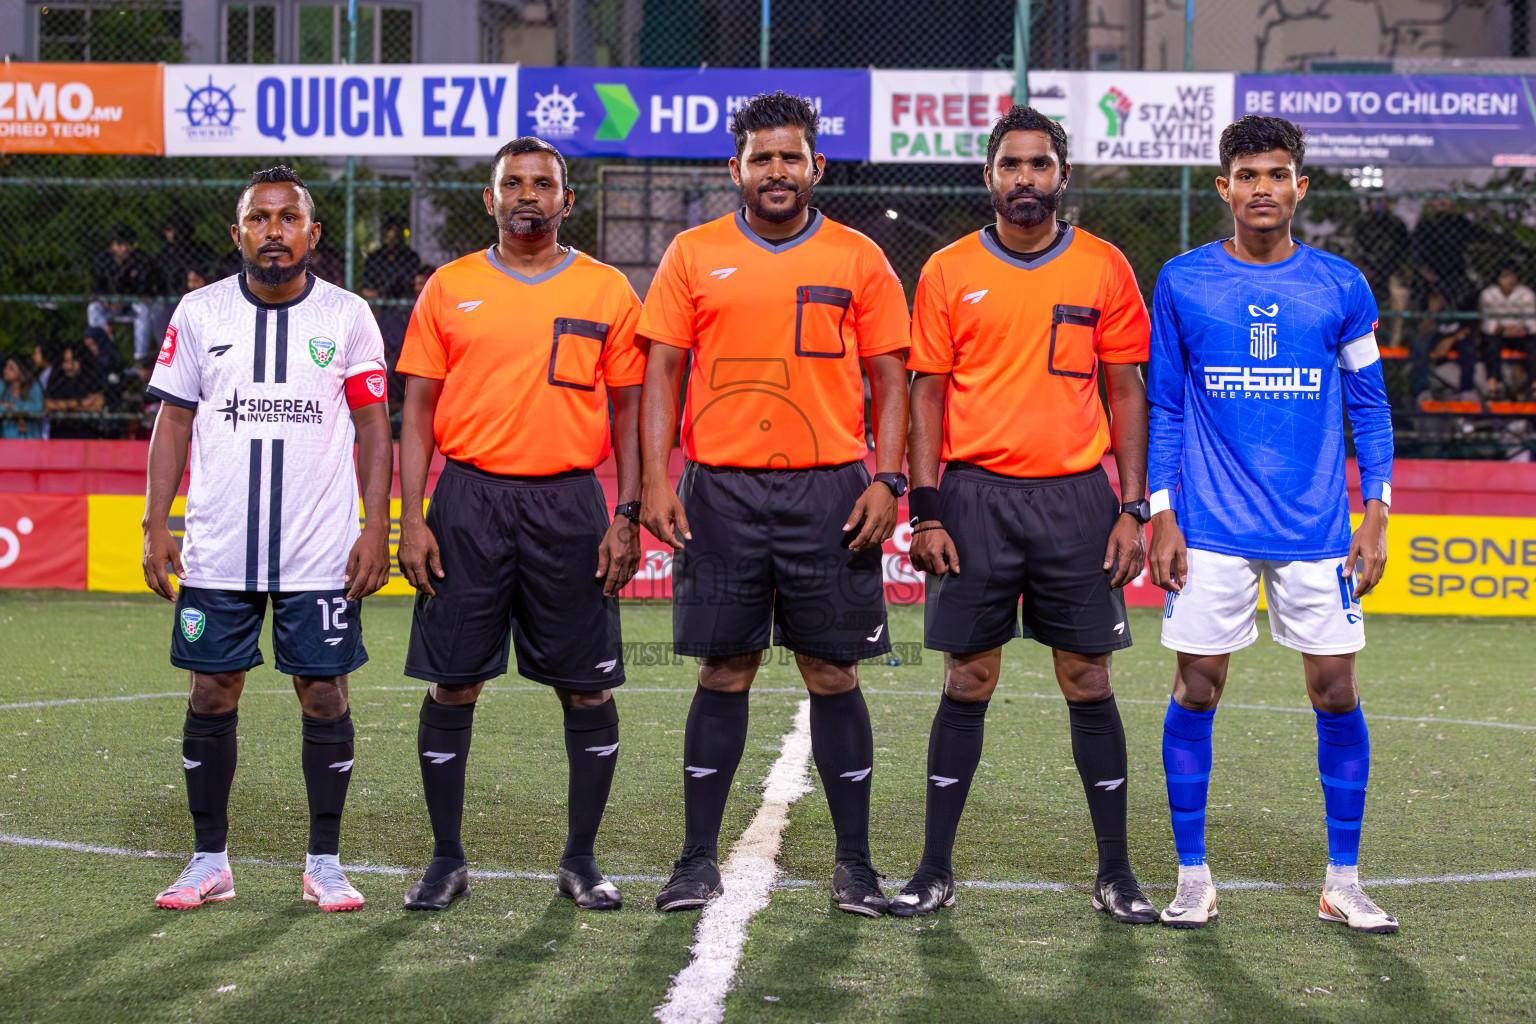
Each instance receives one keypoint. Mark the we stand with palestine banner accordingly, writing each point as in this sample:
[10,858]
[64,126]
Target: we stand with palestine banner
[1126,118]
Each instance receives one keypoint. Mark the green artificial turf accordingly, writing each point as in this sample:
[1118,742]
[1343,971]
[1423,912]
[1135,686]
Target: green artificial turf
[81,941]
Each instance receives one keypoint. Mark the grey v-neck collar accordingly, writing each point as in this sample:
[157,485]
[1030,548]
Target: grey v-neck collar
[805,236]
[1062,243]
[570,257]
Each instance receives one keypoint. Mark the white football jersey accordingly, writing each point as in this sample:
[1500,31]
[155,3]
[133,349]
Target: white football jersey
[273,502]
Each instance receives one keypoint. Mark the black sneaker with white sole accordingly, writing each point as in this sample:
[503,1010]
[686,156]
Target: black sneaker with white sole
[924,894]
[694,882]
[1123,899]
[856,888]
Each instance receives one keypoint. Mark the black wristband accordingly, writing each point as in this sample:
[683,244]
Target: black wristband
[923,503]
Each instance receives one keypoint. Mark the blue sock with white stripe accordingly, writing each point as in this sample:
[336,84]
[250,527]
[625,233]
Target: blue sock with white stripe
[1187,765]
[1344,762]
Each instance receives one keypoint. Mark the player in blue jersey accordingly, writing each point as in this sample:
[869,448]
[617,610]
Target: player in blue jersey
[1259,345]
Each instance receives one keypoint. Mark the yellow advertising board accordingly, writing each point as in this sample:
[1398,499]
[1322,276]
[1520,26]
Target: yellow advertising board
[1436,565]
[116,547]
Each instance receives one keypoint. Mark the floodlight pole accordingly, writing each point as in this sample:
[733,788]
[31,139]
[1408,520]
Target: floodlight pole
[762,36]
[1020,51]
[1189,52]
[351,195]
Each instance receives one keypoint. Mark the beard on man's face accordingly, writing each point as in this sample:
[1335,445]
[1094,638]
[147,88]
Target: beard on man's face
[275,276]
[531,228]
[775,214]
[1026,215]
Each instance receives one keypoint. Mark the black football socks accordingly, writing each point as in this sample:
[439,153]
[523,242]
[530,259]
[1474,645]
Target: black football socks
[713,742]
[844,749]
[327,770]
[442,740]
[1098,748]
[954,750]
[208,756]
[592,751]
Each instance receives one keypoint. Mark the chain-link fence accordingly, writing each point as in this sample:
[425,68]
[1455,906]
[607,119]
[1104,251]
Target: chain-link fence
[109,243]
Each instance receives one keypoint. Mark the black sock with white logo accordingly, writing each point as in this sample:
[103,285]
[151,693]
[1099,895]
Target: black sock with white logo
[327,771]
[208,754]
[592,751]
[713,741]
[954,751]
[442,743]
[844,748]
[1098,748]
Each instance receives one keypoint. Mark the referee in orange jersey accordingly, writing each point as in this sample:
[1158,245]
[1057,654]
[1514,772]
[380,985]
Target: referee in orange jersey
[514,354]
[1012,326]
[776,522]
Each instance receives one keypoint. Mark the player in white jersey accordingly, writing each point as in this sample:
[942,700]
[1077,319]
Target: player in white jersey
[272,375]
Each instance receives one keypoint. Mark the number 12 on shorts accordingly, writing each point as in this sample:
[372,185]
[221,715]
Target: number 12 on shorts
[332,619]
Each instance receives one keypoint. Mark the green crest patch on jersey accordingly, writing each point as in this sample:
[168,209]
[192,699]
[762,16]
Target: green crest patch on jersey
[322,351]
[192,623]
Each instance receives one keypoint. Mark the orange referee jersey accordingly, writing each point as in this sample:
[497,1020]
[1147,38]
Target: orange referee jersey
[777,332]
[525,362]
[1022,342]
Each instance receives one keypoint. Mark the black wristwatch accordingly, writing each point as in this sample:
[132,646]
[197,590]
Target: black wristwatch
[1140,509]
[897,482]
[629,510]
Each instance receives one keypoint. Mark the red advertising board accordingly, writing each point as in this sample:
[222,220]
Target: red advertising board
[43,540]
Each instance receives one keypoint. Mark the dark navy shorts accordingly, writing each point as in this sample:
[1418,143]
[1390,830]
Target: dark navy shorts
[315,633]
[1032,554]
[520,570]
[769,553]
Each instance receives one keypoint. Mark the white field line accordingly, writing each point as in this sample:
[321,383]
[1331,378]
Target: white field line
[782,883]
[697,995]
[358,690]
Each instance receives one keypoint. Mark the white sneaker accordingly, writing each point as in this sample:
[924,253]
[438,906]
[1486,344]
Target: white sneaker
[1195,904]
[205,879]
[326,885]
[1347,903]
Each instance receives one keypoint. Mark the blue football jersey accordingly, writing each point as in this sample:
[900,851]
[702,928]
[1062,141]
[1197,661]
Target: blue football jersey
[1251,371]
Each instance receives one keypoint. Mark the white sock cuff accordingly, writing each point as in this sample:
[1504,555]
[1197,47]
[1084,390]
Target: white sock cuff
[221,858]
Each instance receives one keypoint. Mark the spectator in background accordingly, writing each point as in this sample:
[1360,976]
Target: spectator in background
[138,401]
[1440,240]
[101,355]
[72,388]
[389,270]
[42,364]
[1383,244]
[124,270]
[393,321]
[182,255]
[21,400]
[1509,321]
[1438,341]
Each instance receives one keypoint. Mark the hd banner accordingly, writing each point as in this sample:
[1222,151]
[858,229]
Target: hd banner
[339,110]
[1402,120]
[681,112]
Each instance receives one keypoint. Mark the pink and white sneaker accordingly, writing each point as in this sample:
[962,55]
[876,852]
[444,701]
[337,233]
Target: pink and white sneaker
[206,879]
[326,885]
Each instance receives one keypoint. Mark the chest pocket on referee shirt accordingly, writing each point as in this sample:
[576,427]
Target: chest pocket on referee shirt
[1072,330]
[820,313]
[576,354]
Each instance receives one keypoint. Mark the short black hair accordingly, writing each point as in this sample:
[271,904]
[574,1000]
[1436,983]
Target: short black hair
[124,233]
[530,144]
[769,110]
[1254,134]
[1027,119]
[1509,265]
[281,174]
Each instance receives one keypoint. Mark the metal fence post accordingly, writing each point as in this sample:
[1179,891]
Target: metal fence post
[351,194]
[1189,46]
[762,37]
[1020,52]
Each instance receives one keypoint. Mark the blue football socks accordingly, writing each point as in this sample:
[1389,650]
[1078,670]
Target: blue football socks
[1344,762]
[1187,765]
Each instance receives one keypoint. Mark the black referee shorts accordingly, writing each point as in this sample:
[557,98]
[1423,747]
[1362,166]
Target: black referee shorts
[1037,538]
[519,561]
[769,553]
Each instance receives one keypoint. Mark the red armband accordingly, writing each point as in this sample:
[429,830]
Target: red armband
[365,388]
